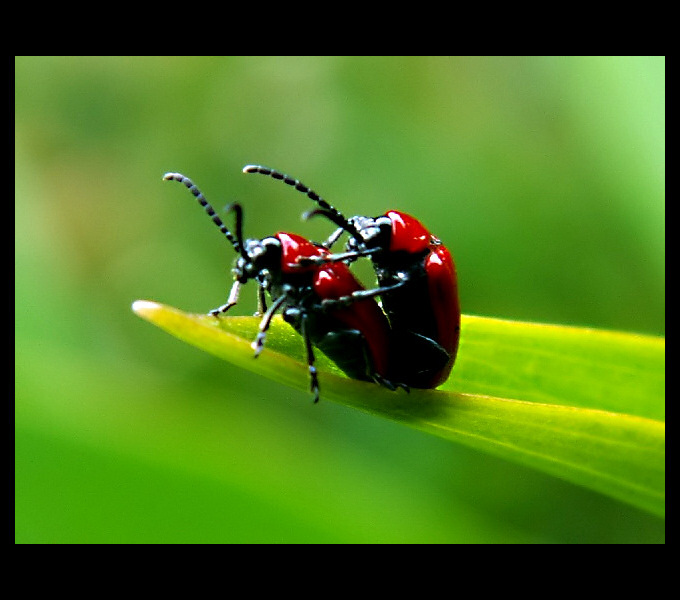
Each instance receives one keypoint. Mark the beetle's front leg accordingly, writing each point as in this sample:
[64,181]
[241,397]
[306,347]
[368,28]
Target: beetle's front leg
[231,301]
[258,343]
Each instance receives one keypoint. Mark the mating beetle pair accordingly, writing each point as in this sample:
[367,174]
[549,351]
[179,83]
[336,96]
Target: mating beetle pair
[411,342]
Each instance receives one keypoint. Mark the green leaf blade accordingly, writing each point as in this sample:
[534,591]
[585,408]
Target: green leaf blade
[582,405]
[615,454]
[553,364]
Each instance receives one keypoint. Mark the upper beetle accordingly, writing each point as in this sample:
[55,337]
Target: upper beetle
[322,300]
[417,284]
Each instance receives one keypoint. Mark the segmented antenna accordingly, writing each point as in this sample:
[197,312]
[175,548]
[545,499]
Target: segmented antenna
[339,220]
[328,211]
[237,241]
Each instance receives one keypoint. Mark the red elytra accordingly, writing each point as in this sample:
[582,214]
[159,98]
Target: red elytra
[443,286]
[332,281]
[294,246]
[408,234]
[335,280]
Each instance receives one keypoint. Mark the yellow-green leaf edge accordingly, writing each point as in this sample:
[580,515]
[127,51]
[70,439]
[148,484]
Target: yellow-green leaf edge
[581,404]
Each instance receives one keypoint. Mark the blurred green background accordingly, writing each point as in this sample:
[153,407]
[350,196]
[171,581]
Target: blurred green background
[545,176]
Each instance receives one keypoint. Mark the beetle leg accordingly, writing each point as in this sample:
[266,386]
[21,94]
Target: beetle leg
[389,385]
[384,382]
[344,301]
[261,302]
[334,237]
[314,380]
[304,261]
[258,343]
[231,301]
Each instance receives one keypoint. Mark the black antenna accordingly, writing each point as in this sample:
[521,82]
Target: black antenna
[328,211]
[236,242]
[238,209]
[338,219]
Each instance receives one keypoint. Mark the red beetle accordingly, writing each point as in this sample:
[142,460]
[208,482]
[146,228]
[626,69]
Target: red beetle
[417,284]
[321,299]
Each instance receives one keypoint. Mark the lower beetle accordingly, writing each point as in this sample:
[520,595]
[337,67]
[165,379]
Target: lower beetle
[417,282]
[323,302]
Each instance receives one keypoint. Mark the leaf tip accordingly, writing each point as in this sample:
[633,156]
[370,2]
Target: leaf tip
[145,308]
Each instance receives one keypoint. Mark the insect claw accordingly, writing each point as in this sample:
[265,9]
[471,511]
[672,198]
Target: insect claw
[258,344]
